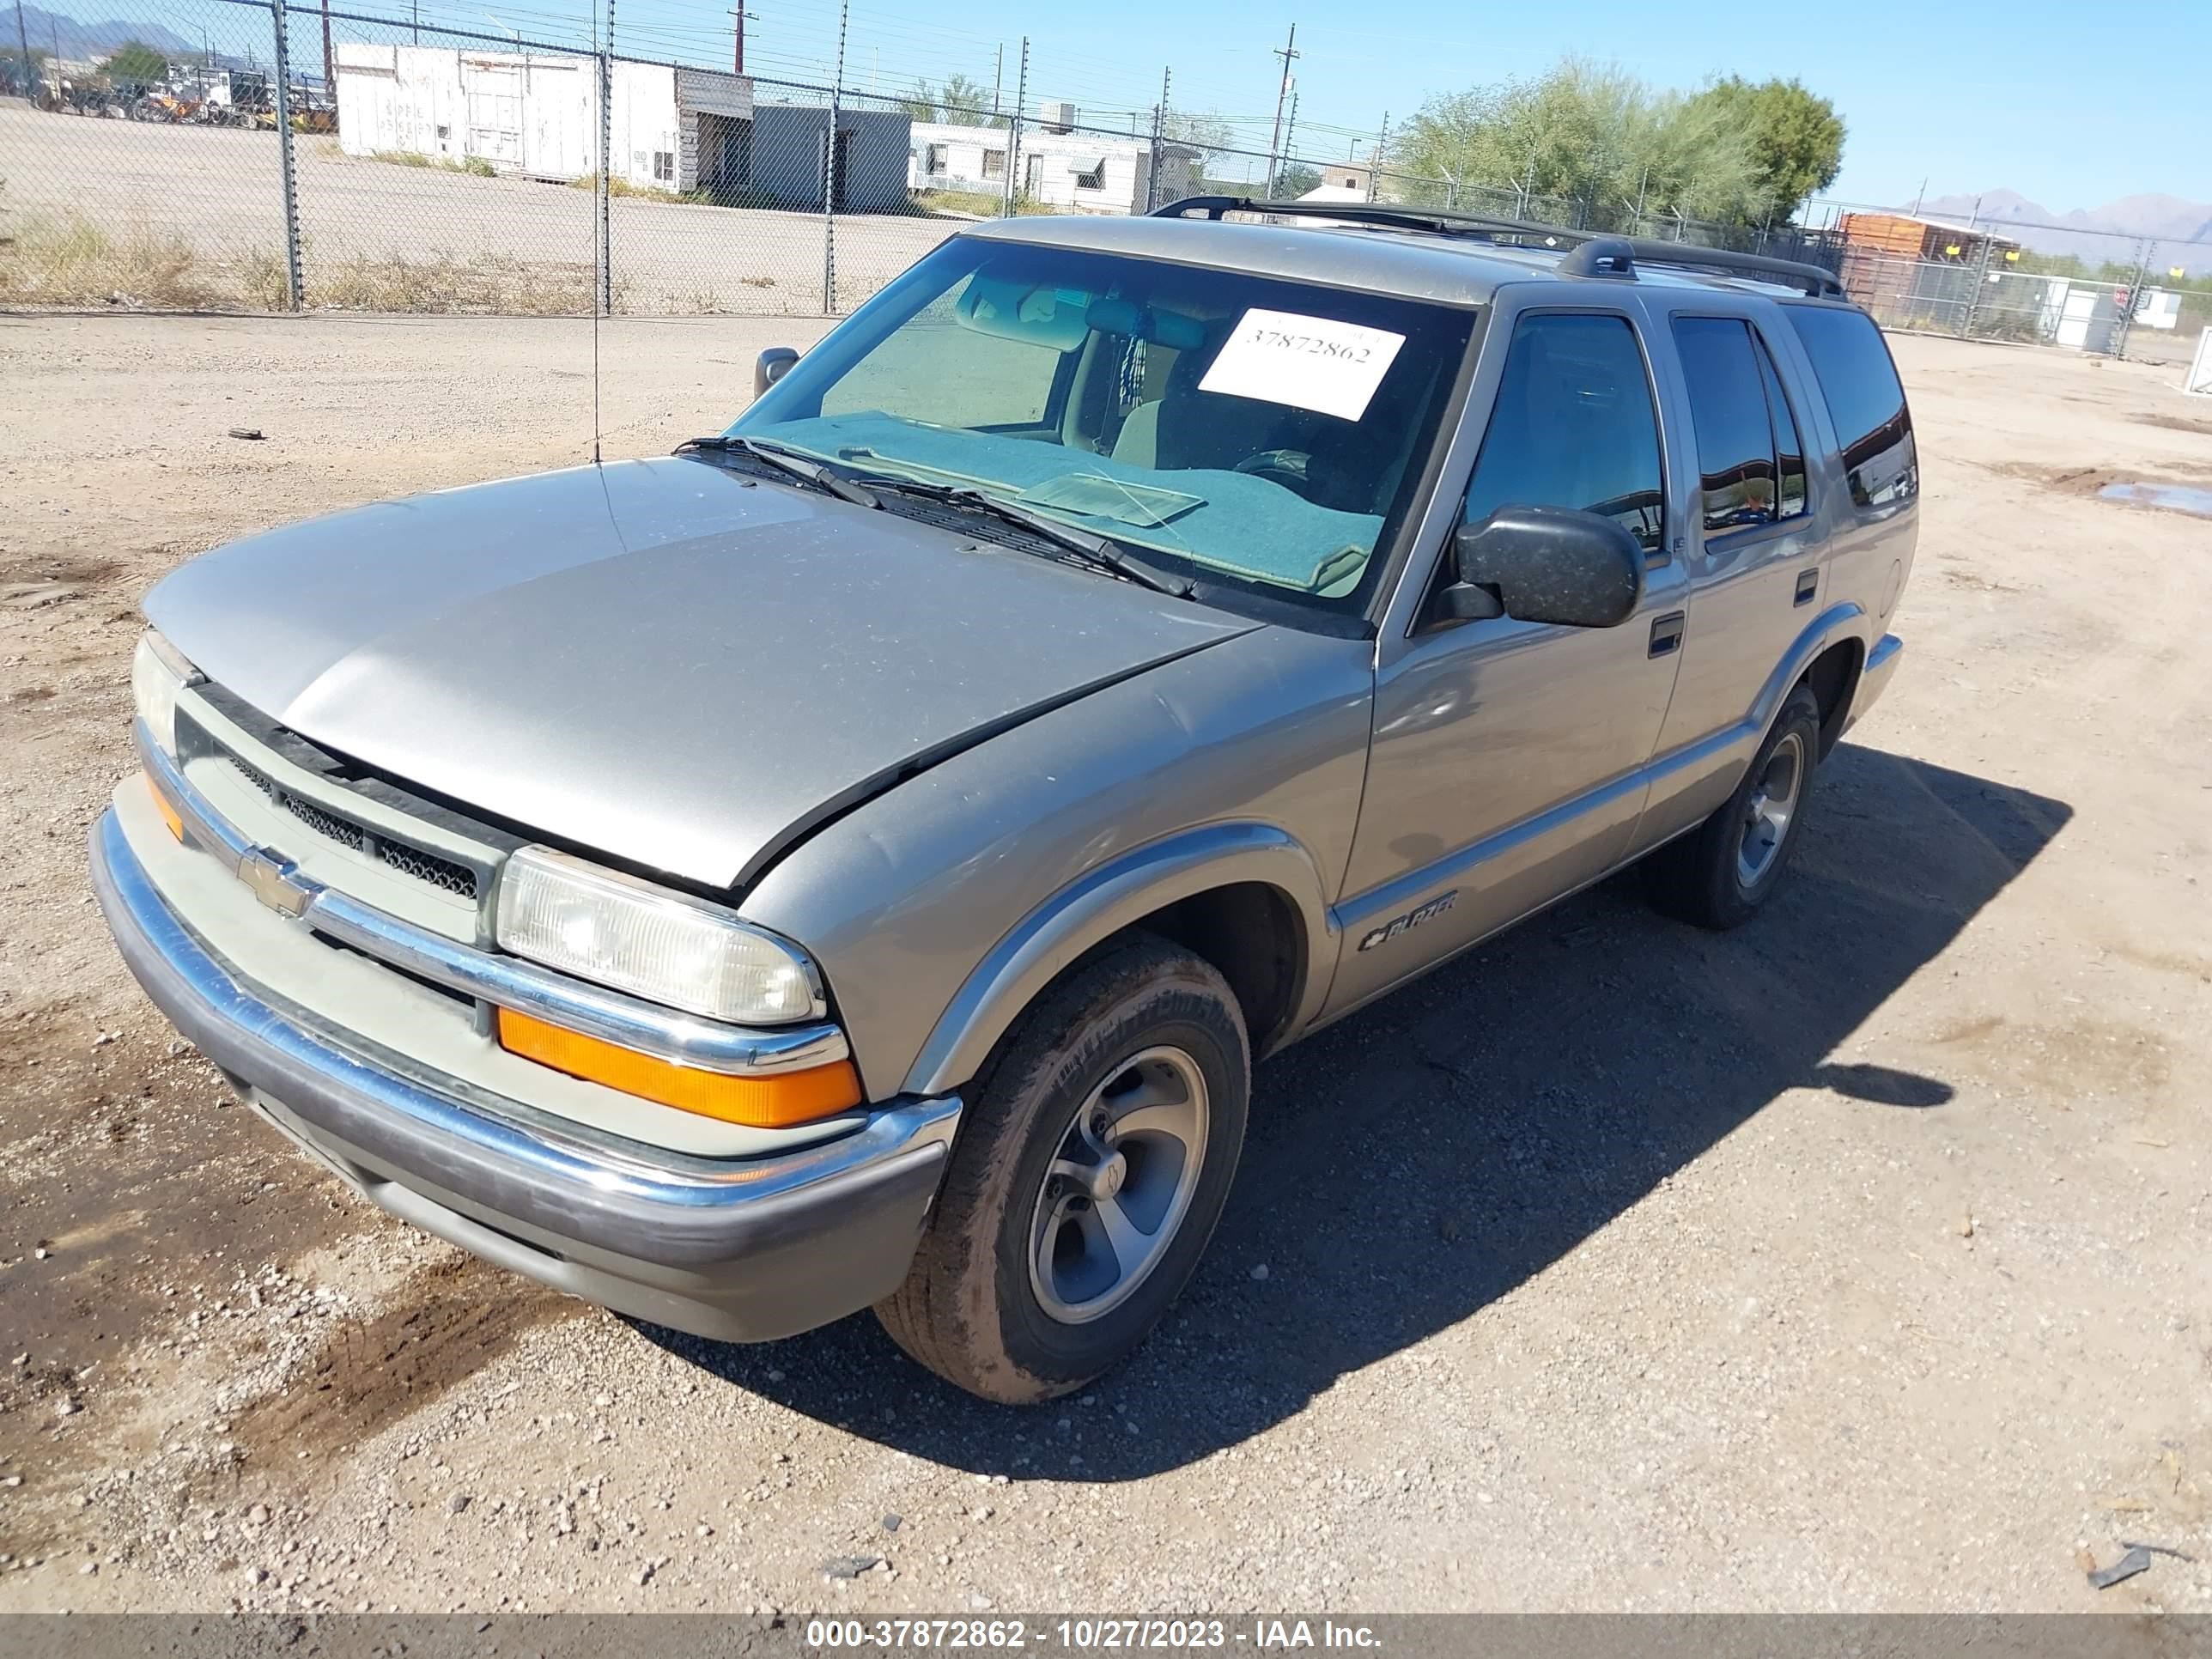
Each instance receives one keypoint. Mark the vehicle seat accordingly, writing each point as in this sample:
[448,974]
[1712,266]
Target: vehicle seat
[1187,429]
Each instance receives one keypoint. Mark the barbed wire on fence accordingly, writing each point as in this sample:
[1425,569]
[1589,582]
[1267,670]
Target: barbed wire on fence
[359,159]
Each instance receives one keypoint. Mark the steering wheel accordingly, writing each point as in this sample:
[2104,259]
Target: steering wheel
[1285,466]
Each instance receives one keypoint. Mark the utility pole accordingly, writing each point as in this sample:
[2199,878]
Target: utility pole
[1159,142]
[1290,134]
[1920,197]
[998,75]
[415,19]
[24,41]
[1375,162]
[738,42]
[330,70]
[1287,51]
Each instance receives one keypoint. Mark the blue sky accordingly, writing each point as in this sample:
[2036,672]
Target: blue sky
[2073,105]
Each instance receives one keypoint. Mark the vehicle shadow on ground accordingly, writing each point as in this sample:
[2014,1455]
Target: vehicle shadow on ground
[1423,1157]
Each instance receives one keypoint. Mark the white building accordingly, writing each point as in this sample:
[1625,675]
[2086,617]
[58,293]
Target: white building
[537,114]
[1083,171]
[1342,181]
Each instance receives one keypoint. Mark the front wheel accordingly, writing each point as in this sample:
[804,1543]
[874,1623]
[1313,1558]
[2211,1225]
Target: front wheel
[1093,1162]
[1723,871]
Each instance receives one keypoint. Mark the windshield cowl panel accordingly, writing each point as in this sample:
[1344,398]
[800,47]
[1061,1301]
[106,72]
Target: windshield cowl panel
[1242,431]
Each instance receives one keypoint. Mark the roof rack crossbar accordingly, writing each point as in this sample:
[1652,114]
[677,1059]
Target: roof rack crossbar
[1594,253]
[1446,221]
[1813,281]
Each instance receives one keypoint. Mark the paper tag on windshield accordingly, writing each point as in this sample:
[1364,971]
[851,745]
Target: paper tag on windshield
[1307,362]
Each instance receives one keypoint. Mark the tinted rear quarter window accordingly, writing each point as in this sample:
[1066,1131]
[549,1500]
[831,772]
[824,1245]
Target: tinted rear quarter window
[1788,452]
[1728,411]
[1865,400]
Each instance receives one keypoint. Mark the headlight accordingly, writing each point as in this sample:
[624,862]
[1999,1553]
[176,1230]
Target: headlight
[158,673]
[635,937]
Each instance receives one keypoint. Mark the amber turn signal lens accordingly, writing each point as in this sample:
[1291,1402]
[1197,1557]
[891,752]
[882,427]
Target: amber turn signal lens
[168,812]
[774,1101]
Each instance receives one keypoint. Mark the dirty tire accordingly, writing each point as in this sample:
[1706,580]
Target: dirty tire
[1699,878]
[967,1310]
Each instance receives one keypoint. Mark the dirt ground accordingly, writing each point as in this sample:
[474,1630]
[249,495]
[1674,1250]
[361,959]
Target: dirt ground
[217,193]
[1857,1260]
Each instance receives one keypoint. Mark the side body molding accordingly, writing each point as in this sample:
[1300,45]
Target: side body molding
[1107,898]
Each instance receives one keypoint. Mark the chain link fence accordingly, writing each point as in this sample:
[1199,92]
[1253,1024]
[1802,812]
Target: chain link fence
[353,159]
[2130,309]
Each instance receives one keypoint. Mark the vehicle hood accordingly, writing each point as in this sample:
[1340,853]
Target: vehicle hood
[661,660]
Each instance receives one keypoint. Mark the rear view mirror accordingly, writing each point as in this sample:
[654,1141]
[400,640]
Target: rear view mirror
[772,366]
[1553,564]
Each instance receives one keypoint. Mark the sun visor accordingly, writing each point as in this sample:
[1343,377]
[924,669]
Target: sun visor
[1058,317]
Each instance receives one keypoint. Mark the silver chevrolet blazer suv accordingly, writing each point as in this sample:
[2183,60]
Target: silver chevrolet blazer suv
[856,860]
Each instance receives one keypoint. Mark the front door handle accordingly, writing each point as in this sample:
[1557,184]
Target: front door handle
[1666,633]
[1808,584]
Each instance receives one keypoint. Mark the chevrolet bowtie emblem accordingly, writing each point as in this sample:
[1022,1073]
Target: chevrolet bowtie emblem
[273,881]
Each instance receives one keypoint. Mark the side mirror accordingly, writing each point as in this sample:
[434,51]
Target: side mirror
[773,365]
[1550,564]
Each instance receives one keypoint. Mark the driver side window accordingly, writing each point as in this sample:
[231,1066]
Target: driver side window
[1574,426]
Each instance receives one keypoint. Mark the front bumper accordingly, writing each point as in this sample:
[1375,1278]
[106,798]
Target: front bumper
[739,1249]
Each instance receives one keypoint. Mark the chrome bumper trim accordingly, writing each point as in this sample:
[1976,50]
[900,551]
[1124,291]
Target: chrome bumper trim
[669,1208]
[664,1033]
[1874,678]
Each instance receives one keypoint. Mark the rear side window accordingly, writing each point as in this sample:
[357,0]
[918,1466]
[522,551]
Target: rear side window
[1574,426]
[1789,448]
[1750,458]
[1859,383]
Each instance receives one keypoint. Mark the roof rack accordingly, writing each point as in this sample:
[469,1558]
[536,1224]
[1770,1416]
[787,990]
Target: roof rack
[1593,253]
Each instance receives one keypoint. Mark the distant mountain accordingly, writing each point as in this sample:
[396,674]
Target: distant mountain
[79,42]
[2182,230]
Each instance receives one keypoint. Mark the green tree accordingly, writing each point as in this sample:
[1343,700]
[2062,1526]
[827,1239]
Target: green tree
[920,103]
[964,101]
[1202,129]
[1590,133]
[1796,138]
[1294,180]
[134,60]
[960,102]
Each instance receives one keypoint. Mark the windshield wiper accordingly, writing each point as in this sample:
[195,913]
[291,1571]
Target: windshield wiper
[1101,552]
[803,468]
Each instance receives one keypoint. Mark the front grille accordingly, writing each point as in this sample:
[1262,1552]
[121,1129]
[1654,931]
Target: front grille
[251,776]
[428,866]
[329,825]
[417,862]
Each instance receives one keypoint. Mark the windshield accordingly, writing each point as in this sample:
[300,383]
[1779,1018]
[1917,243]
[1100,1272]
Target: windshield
[1243,432]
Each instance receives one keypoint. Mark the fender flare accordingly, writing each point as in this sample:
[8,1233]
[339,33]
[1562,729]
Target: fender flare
[1099,903]
[1839,622]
